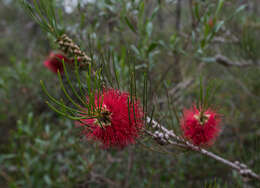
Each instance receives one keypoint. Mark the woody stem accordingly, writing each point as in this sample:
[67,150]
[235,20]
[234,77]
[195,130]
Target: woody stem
[166,136]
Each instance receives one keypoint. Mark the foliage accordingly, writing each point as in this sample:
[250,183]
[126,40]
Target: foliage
[41,149]
[39,156]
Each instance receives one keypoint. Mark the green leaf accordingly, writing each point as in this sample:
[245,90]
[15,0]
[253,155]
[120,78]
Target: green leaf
[2,83]
[201,92]
[56,101]
[241,8]
[151,47]
[47,179]
[141,11]
[218,26]
[219,7]
[196,11]
[70,84]
[130,25]
[43,13]
[173,38]
[149,28]
[154,13]
[135,50]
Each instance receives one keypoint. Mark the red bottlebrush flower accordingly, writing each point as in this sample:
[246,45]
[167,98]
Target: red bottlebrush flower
[118,123]
[54,62]
[200,127]
[211,23]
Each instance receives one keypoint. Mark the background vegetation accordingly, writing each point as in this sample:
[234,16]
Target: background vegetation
[177,42]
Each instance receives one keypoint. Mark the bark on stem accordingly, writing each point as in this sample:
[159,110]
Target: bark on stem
[166,136]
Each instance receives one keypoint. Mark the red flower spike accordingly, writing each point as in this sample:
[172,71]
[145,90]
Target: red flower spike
[199,126]
[114,127]
[54,62]
[211,23]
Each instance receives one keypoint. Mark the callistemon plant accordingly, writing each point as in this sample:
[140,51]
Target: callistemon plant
[54,62]
[113,117]
[118,121]
[200,126]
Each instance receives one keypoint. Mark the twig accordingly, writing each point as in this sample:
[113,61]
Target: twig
[165,136]
[129,167]
[193,21]
[104,179]
[224,40]
[228,63]
[175,92]
[178,27]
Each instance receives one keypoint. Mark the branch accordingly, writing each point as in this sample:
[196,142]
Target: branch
[228,63]
[176,92]
[104,179]
[177,56]
[165,136]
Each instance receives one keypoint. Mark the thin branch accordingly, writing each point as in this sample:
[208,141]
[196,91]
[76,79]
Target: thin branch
[176,92]
[193,21]
[224,40]
[178,27]
[228,63]
[165,136]
[104,179]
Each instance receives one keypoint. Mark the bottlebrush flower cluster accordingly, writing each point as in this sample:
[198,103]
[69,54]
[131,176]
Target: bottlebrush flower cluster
[118,123]
[199,126]
[54,62]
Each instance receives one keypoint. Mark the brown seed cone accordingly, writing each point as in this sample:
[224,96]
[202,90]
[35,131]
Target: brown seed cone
[71,49]
[68,47]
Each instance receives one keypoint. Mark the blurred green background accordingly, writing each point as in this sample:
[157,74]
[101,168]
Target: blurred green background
[177,42]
